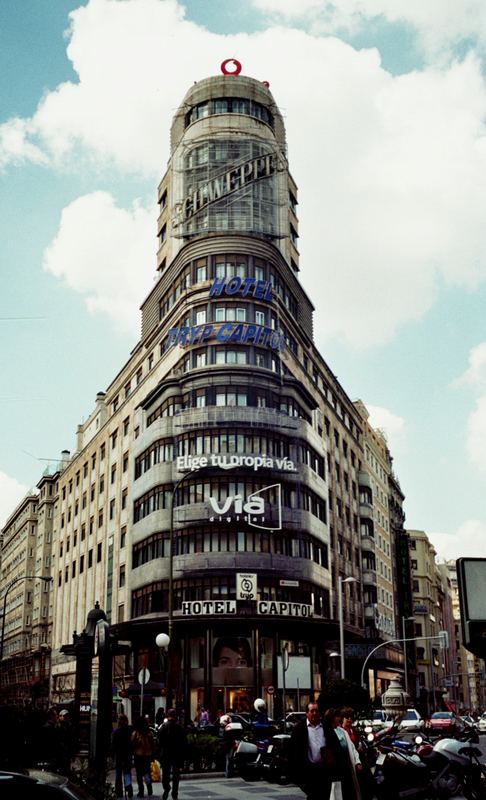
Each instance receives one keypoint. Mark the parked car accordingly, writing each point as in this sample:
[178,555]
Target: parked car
[380,720]
[443,722]
[411,721]
[469,722]
[38,784]
[482,723]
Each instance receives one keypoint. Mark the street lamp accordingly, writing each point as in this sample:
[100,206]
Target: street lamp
[404,635]
[285,666]
[45,578]
[163,641]
[341,620]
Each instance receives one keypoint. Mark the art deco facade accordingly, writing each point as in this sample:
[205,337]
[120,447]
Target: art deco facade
[225,462]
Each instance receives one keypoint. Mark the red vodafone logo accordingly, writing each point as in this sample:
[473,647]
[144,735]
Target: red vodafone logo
[231,67]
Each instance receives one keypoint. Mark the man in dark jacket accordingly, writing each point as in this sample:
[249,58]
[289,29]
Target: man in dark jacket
[315,755]
[172,746]
[121,745]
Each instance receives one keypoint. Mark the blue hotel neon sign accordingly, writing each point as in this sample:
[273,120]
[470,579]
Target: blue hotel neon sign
[229,332]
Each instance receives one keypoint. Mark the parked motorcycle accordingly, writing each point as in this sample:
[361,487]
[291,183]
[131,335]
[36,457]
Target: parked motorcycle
[247,758]
[275,762]
[452,764]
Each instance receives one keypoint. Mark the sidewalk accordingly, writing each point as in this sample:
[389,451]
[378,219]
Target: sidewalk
[214,786]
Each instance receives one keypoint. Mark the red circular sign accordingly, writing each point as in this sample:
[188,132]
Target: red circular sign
[270,689]
[235,71]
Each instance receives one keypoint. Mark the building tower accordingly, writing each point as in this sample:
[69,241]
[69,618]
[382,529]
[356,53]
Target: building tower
[214,491]
[230,421]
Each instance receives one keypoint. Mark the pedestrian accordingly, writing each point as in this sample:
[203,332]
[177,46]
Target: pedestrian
[363,772]
[350,789]
[172,753]
[121,748]
[315,755]
[203,718]
[67,743]
[50,742]
[143,747]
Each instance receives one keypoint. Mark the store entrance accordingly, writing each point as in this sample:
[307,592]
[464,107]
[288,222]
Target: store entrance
[237,699]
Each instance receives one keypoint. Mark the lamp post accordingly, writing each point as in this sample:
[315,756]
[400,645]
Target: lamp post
[285,666]
[45,578]
[404,634]
[163,641]
[341,619]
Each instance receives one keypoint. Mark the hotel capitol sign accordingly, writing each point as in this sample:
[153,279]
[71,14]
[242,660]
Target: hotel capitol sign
[275,608]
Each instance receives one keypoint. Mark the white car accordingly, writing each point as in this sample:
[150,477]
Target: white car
[411,721]
[380,720]
[482,723]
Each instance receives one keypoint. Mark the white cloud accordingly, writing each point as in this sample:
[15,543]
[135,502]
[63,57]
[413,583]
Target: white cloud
[106,254]
[11,493]
[391,170]
[469,540]
[439,25]
[475,375]
[392,425]
[476,434]
[15,146]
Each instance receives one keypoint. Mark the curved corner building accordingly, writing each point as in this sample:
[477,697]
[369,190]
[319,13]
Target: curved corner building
[231,421]
[215,490]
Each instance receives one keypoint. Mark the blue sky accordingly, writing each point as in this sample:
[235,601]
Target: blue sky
[385,108]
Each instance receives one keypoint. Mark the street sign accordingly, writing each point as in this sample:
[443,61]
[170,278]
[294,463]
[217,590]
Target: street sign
[143,676]
[246,586]
[270,689]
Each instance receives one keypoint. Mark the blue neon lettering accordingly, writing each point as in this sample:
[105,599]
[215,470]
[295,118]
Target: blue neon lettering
[224,332]
[237,334]
[233,286]
[217,287]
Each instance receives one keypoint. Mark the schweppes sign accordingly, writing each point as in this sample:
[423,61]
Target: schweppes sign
[229,182]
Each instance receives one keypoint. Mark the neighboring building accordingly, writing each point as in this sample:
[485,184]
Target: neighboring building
[432,599]
[27,600]
[466,683]
[225,481]
[381,521]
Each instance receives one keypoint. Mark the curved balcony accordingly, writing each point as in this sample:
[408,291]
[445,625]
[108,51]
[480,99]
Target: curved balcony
[369,576]
[366,510]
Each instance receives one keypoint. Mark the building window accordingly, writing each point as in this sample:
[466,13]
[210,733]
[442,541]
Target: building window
[99,549]
[121,578]
[201,270]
